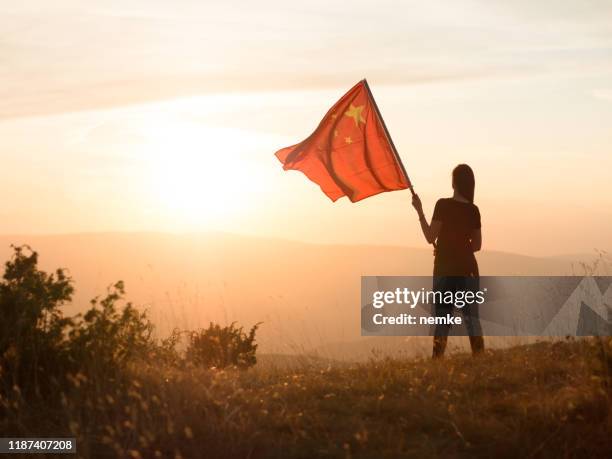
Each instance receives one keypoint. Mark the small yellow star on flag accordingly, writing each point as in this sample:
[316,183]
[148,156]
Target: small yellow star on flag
[356,113]
[348,140]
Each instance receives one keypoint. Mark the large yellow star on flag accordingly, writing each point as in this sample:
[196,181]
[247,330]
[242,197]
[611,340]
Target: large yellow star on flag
[355,113]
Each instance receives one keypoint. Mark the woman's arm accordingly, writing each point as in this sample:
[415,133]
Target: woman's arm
[430,231]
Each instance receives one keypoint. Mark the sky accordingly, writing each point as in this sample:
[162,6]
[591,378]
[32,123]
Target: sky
[165,116]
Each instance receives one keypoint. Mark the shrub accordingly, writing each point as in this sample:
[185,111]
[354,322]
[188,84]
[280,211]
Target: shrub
[32,329]
[39,346]
[109,338]
[220,347]
[165,351]
[40,349]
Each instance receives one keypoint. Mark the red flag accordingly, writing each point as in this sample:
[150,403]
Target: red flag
[349,154]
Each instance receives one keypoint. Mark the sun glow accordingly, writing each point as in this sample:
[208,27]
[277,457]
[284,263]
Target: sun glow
[200,174]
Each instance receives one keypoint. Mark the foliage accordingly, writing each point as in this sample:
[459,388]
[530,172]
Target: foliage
[40,347]
[165,352]
[32,329]
[220,347]
[108,337]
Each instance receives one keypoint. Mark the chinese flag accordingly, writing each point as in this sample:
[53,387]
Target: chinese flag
[349,154]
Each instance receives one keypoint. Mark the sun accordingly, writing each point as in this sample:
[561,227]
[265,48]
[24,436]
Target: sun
[198,174]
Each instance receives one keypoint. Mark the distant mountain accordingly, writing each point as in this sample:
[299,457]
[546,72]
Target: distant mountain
[306,295]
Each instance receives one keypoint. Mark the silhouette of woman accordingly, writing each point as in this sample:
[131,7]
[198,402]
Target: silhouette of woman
[455,231]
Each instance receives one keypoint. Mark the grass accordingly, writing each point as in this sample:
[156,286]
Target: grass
[540,400]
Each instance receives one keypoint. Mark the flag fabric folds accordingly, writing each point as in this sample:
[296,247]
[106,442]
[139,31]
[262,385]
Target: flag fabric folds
[349,154]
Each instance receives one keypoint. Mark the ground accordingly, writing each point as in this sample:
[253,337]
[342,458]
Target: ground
[541,400]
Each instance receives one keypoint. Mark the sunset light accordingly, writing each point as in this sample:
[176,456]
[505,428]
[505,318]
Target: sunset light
[306,229]
[198,174]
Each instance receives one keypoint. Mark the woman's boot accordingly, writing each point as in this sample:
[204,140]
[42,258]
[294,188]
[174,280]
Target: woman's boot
[439,346]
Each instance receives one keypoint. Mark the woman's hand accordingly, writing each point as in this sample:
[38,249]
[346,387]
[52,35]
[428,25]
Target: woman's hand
[432,231]
[416,203]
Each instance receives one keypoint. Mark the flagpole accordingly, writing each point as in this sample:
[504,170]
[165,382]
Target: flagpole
[382,121]
[397,156]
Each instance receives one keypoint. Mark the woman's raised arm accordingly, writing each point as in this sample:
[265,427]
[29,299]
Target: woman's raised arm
[430,231]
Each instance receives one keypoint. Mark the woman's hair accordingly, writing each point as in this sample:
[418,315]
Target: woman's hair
[463,181]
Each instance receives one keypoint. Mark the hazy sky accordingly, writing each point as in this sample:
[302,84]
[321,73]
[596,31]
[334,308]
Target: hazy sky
[157,115]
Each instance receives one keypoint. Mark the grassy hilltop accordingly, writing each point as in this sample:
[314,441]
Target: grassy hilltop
[543,400]
[106,379]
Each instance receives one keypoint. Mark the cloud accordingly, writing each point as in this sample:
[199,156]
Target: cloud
[84,56]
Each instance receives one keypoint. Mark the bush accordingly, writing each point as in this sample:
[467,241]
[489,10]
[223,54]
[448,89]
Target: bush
[32,329]
[109,338]
[220,347]
[39,347]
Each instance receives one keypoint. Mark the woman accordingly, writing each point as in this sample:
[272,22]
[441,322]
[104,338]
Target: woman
[455,233]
